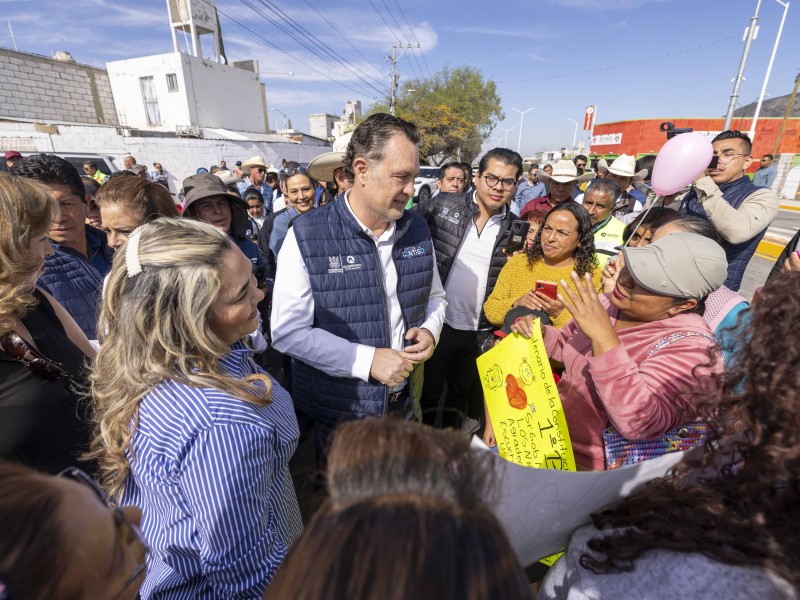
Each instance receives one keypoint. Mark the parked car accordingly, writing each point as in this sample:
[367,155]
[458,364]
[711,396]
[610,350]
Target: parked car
[425,183]
[104,163]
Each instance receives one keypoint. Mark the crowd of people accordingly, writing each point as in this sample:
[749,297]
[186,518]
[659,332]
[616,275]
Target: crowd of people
[164,355]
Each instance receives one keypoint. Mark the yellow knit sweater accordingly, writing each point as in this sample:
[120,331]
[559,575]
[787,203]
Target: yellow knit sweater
[517,278]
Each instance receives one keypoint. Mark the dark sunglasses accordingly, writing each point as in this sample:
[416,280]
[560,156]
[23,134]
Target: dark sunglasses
[36,362]
[119,518]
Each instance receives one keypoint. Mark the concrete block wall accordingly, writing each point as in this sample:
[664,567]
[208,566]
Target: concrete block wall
[181,157]
[37,87]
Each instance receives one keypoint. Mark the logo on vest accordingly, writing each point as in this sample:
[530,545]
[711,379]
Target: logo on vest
[412,251]
[335,264]
[447,216]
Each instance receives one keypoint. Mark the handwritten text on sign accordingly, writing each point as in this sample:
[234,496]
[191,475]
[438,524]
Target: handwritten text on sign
[523,404]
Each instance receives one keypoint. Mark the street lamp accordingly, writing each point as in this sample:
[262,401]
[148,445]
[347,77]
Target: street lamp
[279,73]
[752,132]
[574,135]
[521,118]
[285,118]
[505,144]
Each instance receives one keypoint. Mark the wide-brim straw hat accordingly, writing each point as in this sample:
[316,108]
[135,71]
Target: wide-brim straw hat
[228,178]
[323,166]
[254,161]
[563,172]
[624,166]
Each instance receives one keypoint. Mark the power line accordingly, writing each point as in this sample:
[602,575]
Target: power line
[411,31]
[346,38]
[336,57]
[417,74]
[324,53]
[289,54]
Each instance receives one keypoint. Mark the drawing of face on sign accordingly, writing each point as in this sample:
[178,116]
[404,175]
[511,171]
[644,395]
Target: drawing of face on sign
[525,373]
[494,377]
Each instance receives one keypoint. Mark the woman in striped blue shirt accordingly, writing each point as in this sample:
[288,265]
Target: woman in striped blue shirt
[188,427]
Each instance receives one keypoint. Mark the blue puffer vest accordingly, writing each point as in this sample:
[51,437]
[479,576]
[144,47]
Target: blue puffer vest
[350,302]
[72,280]
[738,255]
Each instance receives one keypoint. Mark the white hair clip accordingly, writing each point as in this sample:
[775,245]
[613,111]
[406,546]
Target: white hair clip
[132,264]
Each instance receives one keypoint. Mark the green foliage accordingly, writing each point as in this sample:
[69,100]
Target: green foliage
[455,112]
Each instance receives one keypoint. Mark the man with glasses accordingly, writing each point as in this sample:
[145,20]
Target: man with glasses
[739,210]
[766,174]
[469,232]
[256,170]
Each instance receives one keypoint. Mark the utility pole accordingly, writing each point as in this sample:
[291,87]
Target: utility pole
[787,114]
[395,80]
[751,33]
[752,132]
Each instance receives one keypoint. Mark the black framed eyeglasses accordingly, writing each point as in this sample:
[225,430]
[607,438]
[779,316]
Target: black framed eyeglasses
[493,180]
[78,476]
[36,362]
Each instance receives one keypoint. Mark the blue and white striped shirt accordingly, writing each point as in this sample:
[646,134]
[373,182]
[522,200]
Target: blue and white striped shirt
[211,475]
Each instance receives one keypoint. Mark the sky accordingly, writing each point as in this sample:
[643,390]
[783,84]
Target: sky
[633,59]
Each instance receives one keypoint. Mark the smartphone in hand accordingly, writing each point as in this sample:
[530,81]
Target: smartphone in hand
[548,288]
[519,231]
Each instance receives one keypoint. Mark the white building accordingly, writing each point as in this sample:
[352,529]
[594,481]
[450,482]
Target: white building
[175,91]
[321,125]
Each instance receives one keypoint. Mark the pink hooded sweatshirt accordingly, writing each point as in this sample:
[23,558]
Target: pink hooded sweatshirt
[639,395]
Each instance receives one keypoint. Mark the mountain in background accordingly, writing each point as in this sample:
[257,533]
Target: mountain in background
[771,107]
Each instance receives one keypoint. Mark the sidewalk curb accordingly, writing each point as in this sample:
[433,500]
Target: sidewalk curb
[770,250]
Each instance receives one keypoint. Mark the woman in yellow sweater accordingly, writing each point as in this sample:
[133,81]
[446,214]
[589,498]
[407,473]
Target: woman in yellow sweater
[564,243]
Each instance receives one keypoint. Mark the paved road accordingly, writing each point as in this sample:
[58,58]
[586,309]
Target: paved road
[781,230]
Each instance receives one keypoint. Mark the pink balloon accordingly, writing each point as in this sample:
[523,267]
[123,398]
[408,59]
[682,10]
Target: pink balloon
[679,162]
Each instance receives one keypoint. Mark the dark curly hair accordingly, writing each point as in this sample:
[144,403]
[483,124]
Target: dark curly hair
[739,501]
[585,261]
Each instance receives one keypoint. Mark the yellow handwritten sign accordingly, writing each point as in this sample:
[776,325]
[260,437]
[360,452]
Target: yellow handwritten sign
[524,405]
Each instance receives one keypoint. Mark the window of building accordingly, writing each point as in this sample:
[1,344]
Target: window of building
[150,101]
[172,82]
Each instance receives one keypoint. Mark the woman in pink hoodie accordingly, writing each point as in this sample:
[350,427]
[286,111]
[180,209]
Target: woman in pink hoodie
[632,358]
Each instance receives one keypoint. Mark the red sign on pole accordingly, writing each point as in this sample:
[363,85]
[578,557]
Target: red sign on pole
[588,118]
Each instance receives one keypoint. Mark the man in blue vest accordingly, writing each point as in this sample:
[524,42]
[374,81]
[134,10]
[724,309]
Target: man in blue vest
[739,210]
[74,274]
[358,302]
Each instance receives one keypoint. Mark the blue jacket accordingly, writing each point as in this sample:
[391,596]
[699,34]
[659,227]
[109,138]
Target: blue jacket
[77,282]
[735,193]
[350,302]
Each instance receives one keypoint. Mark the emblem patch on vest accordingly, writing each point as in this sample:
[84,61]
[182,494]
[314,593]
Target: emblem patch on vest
[350,264]
[412,251]
[448,216]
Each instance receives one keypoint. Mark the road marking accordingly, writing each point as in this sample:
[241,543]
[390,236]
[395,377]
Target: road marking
[769,249]
[789,207]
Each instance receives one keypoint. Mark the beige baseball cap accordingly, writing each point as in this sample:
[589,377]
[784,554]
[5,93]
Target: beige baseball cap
[680,265]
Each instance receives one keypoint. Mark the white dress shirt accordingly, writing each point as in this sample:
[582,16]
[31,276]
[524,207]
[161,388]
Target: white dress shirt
[469,274]
[293,311]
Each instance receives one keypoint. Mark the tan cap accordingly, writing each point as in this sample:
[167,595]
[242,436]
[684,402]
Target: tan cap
[680,265]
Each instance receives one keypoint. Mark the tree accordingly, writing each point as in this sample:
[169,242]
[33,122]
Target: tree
[455,111]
